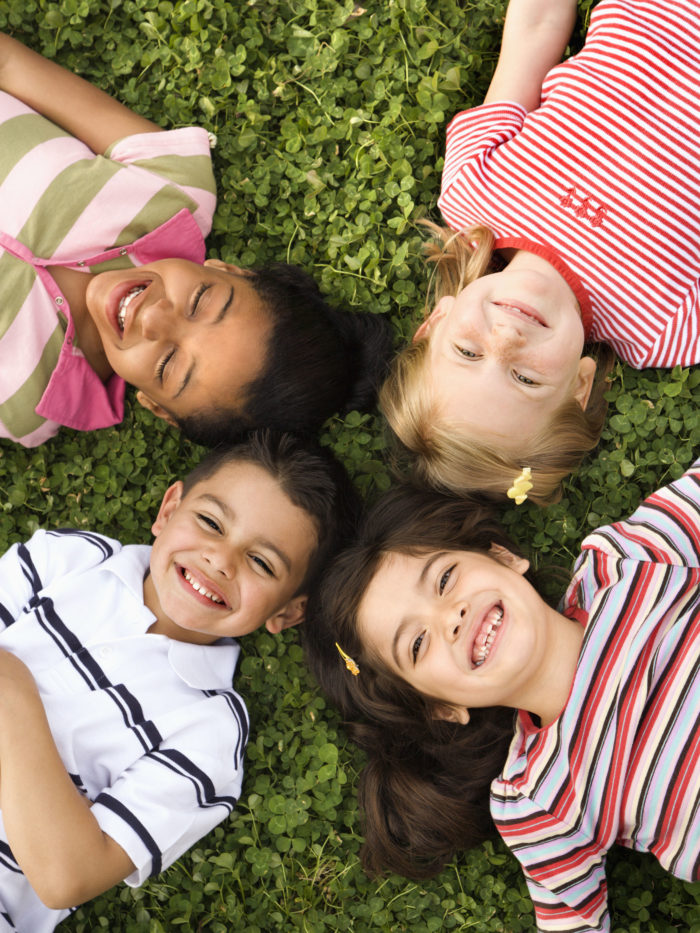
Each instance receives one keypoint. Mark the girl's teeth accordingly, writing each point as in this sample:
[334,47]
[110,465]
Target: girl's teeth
[199,588]
[125,302]
[486,636]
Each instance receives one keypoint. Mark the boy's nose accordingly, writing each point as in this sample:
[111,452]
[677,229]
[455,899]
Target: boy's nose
[221,563]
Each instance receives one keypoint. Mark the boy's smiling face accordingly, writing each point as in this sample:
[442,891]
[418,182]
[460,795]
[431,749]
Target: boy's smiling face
[187,336]
[229,557]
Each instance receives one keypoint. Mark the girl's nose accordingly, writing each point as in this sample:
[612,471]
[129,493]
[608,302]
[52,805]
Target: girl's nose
[505,338]
[157,320]
[454,620]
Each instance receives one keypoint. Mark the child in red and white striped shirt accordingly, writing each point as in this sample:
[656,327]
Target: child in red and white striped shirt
[576,192]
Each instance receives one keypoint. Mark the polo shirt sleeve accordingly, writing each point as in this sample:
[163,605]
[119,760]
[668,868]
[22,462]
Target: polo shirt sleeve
[180,156]
[176,793]
[26,568]
[664,529]
[473,137]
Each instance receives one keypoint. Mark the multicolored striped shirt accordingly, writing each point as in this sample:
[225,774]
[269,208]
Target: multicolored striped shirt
[149,729]
[603,179]
[621,764]
[151,196]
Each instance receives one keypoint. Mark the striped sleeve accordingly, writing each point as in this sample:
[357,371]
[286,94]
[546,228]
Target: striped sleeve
[665,528]
[25,569]
[564,869]
[471,137]
[180,790]
[181,156]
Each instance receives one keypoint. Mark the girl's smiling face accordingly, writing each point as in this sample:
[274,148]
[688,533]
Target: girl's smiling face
[462,627]
[190,337]
[505,353]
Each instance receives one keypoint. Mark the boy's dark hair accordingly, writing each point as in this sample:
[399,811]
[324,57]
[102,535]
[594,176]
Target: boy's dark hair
[319,360]
[308,474]
[425,790]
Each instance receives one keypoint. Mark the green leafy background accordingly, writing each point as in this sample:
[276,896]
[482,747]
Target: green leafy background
[330,121]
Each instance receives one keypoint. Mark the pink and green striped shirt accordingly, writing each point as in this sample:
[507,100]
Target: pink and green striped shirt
[150,197]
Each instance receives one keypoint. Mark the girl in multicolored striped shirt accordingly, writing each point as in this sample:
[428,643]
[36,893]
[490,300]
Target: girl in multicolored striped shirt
[102,279]
[444,636]
[577,194]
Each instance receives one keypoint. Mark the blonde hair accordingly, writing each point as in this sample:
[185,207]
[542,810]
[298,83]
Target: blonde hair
[444,457]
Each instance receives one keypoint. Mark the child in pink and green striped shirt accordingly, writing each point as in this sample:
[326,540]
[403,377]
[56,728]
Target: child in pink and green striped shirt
[103,281]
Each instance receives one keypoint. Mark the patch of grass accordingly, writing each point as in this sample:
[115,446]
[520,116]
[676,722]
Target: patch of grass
[330,128]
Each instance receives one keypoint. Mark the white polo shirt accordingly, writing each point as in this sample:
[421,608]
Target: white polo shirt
[150,729]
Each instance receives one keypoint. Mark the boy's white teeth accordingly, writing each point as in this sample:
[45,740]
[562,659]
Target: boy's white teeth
[125,302]
[200,589]
[486,635]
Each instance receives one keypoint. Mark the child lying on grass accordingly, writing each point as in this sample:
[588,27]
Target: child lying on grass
[121,737]
[102,223]
[478,704]
[576,194]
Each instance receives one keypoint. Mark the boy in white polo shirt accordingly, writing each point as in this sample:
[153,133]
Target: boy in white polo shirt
[121,738]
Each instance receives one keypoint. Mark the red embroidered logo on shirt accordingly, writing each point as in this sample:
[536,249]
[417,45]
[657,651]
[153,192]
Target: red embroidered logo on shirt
[584,208]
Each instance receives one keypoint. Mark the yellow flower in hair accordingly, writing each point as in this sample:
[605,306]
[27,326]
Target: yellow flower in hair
[349,663]
[521,487]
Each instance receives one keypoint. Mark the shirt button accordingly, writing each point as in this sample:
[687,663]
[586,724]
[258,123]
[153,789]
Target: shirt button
[122,252]
[58,300]
[81,263]
[106,652]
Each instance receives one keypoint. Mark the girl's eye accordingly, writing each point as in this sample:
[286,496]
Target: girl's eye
[444,579]
[467,354]
[195,304]
[163,363]
[209,522]
[415,647]
[525,381]
[261,563]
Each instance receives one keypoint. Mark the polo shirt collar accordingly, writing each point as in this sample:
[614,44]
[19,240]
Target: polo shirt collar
[204,667]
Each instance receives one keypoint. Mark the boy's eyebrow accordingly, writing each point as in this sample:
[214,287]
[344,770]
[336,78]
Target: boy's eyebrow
[219,317]
[263,541]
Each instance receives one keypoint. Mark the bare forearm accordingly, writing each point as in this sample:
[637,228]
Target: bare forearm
[55,838]
[535,35]
[74,104]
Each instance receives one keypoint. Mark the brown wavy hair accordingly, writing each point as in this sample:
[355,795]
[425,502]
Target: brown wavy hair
[424,792]
[442,454]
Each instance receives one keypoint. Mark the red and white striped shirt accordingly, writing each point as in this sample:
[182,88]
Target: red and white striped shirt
[603,179]
[621,764]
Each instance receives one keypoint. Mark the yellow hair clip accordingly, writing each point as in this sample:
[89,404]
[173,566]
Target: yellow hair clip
[349,663]
[521,487]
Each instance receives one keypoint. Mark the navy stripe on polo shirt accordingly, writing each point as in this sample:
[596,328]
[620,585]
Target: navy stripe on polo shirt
[146,838]
[204,789]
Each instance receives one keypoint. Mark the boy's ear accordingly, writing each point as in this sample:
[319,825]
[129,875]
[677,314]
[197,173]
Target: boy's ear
[439,311]
[226,266]
[452,713]
[155,408]
[584,380]
[292,614]
[171,500]
[509,559]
